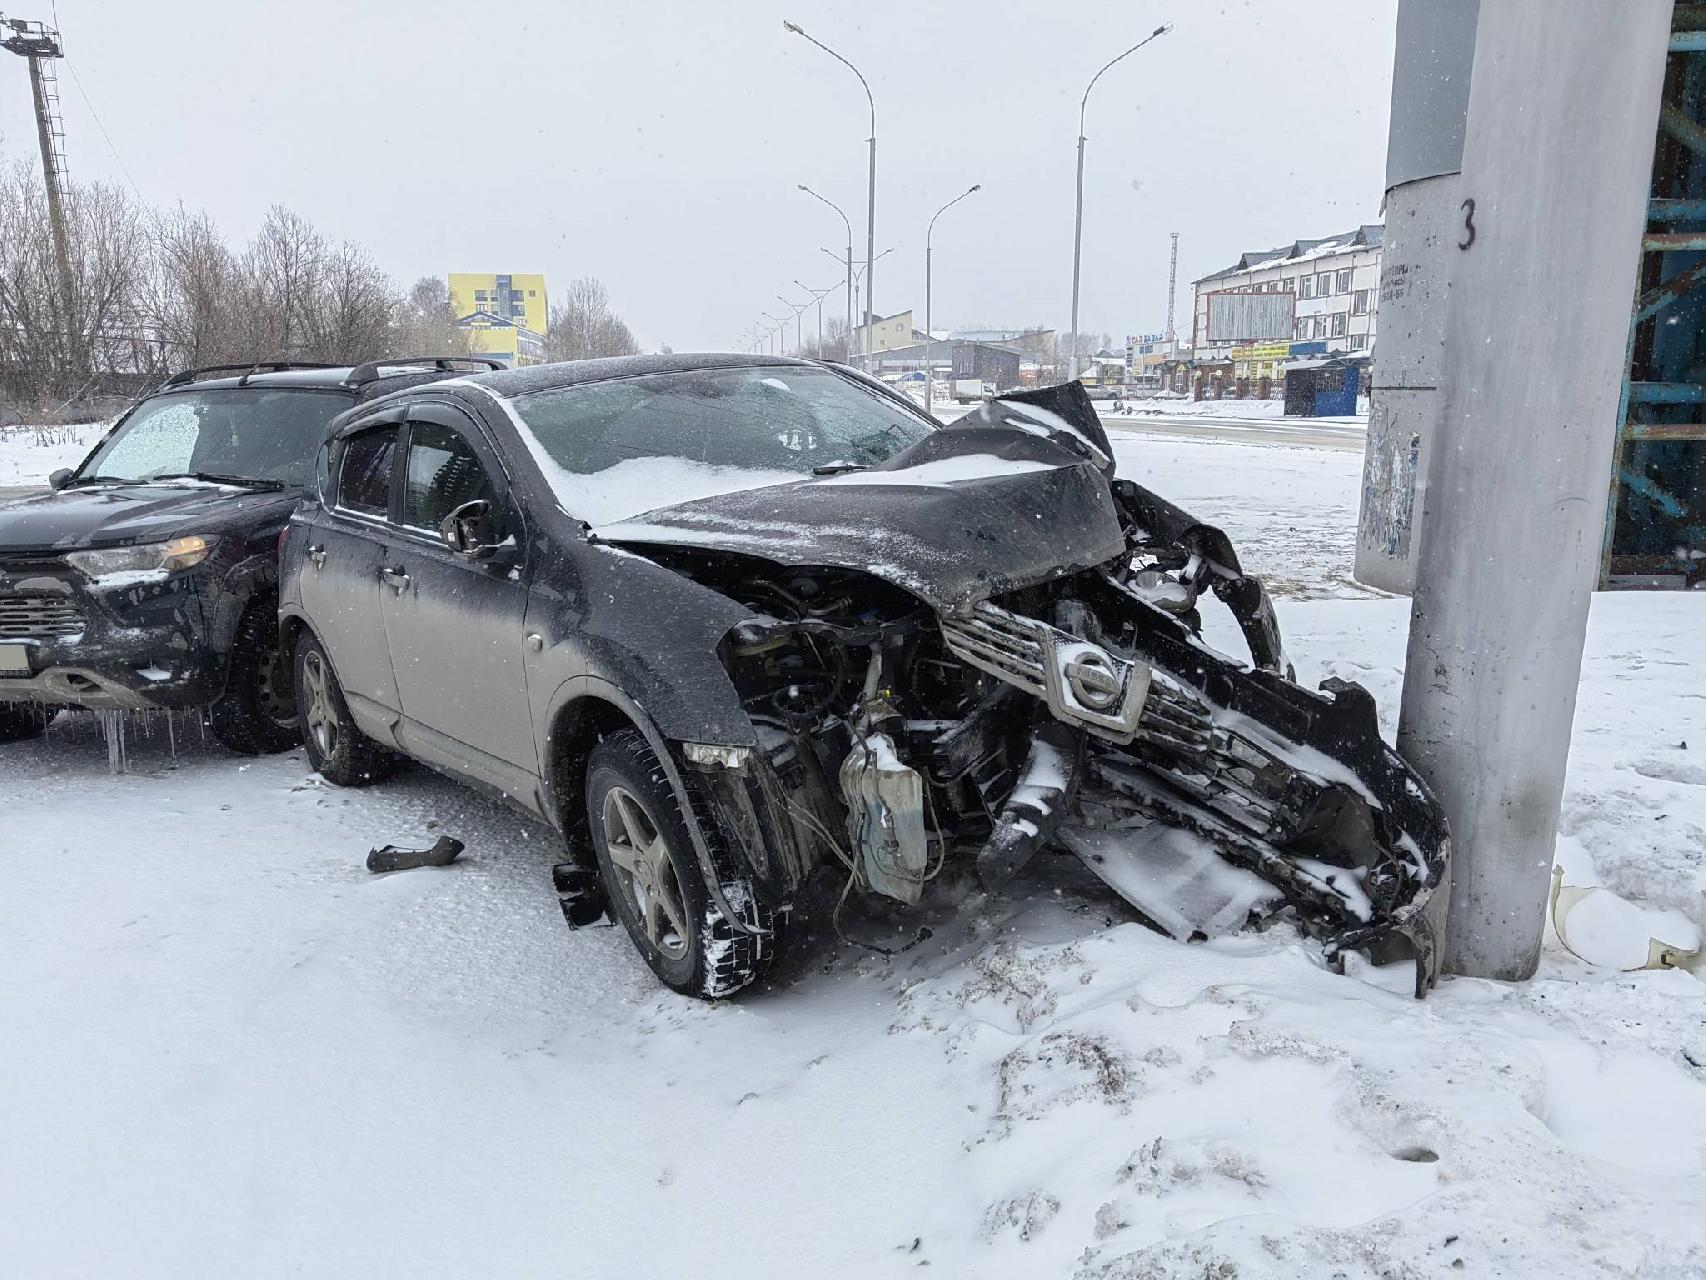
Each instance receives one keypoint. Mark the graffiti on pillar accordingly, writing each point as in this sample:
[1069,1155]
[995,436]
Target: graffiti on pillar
[1389,485]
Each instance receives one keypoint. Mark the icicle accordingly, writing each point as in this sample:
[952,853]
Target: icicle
[113,729]
[171,735]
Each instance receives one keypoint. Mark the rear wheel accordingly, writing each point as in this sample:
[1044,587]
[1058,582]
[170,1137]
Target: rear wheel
[338,750]
[256,715]
[19,721]
[654,881]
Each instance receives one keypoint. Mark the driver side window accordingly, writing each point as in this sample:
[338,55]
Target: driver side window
[443,472]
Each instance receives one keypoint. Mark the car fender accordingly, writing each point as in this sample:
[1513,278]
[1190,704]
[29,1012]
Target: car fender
[596,688]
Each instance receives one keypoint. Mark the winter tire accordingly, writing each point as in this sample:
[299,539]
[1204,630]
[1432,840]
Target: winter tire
[256,715]
[18,722]
[338,751]
[653,878]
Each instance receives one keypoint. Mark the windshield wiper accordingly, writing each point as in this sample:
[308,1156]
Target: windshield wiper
[76,481]
[840,468]
[213,477]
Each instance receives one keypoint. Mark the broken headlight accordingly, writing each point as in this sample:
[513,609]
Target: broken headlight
[179,553]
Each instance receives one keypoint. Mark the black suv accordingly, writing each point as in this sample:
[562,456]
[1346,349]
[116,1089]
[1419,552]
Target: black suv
[148,577]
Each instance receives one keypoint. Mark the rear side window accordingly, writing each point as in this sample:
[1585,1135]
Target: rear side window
[364,478]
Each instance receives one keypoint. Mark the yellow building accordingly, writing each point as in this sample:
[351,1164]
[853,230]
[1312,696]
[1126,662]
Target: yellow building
[889,333]
[505,315]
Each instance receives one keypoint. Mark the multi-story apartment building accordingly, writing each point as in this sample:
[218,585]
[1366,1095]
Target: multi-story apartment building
[1334,290]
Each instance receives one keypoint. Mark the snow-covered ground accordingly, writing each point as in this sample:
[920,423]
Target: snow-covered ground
[29,453]
[226,1049]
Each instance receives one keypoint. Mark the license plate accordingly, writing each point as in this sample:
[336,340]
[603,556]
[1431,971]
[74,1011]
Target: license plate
[14,660]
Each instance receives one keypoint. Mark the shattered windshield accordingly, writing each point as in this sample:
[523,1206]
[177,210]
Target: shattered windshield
[240,434]
[789,420]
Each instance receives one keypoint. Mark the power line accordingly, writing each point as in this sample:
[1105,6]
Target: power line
[95,115]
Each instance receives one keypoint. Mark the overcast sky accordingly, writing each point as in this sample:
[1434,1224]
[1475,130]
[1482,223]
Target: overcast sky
[658,145]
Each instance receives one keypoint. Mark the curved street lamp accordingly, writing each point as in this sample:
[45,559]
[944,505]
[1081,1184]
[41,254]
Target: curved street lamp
[818,295]
[849,226]
[800,310]
[1078,217]
[871,192]
[929,336]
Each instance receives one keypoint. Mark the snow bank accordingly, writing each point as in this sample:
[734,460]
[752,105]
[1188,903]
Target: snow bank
[29,454]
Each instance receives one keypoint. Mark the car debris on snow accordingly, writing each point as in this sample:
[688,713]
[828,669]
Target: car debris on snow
[444,851]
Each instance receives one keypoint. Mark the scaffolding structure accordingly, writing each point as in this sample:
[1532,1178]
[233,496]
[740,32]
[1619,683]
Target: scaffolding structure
[1655,531]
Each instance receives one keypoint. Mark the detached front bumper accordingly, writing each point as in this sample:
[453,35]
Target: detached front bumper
[1297,787]
[134,642]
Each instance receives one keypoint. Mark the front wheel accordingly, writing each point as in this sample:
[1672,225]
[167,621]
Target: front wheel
[654,882]
[337,749]
[256,715]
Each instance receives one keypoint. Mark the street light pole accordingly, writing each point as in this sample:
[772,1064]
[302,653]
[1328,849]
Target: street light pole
[849,259]
[782,329]
[929,335]
[818,295]
[871,192]
[799,332]
[1078,216]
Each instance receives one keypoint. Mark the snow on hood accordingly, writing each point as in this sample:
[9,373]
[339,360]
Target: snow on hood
[960,516]
[943,471]
[637,485]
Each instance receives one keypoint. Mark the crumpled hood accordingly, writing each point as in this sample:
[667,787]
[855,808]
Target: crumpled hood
[967,513]
[118,515]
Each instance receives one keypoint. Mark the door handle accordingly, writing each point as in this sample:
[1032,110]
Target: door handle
[395,578]
[317,554]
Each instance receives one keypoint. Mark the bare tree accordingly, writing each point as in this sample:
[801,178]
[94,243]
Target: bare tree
[153,291]
[837,342]
[583,326]
[193,293]
[426,322]
[48,352]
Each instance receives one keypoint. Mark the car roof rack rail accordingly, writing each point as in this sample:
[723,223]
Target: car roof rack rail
[369,372]
[245,369]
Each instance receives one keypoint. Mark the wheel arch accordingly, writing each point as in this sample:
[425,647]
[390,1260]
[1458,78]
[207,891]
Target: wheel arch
[583,709]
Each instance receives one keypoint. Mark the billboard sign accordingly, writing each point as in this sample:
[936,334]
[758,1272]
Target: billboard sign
[1250,317]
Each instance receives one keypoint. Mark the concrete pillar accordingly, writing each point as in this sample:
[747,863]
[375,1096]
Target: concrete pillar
[1563,111]
[1424,151]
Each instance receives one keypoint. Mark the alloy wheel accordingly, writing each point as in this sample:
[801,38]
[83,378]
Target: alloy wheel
[321,719]
[644,873]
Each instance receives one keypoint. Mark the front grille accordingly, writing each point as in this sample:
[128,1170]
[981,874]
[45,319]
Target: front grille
[33,562]
[39,617]
[1081,682]
[1002,644]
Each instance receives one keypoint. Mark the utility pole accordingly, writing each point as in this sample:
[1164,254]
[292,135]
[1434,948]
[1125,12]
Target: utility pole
[818,295]
[1172,284]
[1431,71]
[871,189]
[929,337]
[844,222]
[1558,150]
[40,46]
[1078,215]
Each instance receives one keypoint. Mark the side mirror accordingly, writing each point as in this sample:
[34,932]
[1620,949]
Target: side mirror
[470,530]
[57,480]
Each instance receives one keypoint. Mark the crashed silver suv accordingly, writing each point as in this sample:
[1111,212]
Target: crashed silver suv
[740,626]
